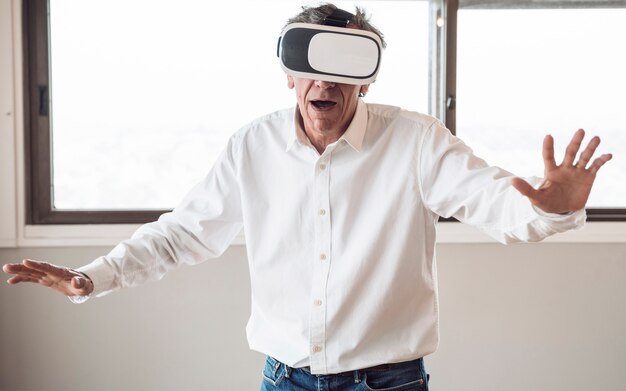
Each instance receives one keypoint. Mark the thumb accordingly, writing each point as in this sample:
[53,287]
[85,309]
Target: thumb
[81,286]
[523,187]
[78,282]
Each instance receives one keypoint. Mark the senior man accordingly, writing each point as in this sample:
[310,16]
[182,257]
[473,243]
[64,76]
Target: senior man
[338,200]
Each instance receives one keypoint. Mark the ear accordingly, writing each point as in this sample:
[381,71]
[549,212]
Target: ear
[364,89]
[290,83]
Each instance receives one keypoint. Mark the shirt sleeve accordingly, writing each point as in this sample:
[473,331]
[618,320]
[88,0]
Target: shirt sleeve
[202,226]
[456,183]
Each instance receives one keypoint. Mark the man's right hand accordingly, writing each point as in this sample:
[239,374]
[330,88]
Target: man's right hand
[63,280]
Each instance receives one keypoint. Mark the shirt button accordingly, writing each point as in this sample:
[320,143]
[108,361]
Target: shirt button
[322,167]
[322,212]
[317,349]
[317,303]
[323,257]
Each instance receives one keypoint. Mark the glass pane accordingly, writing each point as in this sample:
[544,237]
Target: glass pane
[523,74]
[146,93]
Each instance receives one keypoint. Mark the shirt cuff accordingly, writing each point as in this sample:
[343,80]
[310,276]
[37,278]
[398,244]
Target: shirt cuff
[101,277]
[562,222]
[81,299]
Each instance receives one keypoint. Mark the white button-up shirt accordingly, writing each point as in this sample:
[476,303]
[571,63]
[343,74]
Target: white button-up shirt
[341,246]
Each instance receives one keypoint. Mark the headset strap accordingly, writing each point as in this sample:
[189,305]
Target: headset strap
[339,18]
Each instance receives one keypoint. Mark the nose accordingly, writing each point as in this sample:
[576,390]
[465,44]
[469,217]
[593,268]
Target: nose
[324,84]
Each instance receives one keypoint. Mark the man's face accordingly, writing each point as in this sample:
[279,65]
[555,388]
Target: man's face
[326,107]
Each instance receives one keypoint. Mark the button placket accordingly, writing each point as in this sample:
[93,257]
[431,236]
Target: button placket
[320,269]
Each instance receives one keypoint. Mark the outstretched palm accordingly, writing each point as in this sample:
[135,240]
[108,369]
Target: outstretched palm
[566,187]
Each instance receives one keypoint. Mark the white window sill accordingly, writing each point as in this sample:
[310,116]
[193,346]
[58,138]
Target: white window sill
[447,233]
[82,235]
[593,232]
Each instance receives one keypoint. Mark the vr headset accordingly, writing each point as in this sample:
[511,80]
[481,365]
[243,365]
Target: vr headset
[330,52]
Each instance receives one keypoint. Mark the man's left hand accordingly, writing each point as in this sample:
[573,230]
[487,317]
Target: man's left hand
[566,187]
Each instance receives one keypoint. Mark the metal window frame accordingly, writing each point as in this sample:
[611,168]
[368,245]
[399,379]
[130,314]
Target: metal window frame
[540,4]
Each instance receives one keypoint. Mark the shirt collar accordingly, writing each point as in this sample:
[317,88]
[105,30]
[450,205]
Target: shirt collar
[298,134]
[354,135]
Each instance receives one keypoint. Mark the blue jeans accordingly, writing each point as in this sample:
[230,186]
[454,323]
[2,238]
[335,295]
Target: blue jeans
[404,376]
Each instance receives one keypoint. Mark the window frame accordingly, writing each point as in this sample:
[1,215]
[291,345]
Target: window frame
[38,148]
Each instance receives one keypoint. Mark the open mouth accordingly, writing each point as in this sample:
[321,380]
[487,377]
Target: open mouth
[323,104]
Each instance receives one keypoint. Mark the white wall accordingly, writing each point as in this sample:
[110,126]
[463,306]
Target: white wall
[532,317]
[186,332]
[516,318]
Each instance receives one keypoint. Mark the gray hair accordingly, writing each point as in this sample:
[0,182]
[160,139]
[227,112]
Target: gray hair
[317,15]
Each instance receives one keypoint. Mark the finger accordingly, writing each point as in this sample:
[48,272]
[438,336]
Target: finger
[587,154]
[573,147]
[524,187]
[18,268]
[599,162]
[10,267]
[21,278]
[44,267]
[548,153]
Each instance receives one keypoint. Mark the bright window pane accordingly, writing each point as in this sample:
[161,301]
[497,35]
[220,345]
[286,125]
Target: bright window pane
[522,74]
[146,93]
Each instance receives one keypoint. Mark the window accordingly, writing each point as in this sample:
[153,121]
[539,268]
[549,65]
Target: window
[130,102]
[551,68]
[139,97]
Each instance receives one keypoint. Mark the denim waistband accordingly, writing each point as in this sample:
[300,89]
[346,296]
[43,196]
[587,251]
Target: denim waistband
[376,368]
